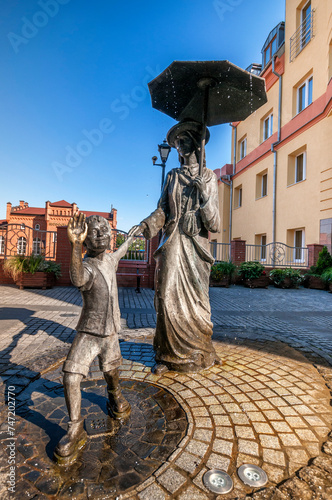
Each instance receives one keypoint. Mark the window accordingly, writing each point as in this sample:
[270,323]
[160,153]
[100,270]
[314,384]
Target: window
[297,166]
[268,127]
[36,246]
[22,227]
[2,245]
[263,247]
[261,185]
[21,245]
[37,227]
[243,148]
[304,95]
[238,197]
[300,167]
[306,25]
[299,245]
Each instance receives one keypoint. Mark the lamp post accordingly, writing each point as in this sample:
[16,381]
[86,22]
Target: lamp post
[164,150]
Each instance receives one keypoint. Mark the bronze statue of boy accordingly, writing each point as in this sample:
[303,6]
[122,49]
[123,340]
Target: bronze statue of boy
[97,328]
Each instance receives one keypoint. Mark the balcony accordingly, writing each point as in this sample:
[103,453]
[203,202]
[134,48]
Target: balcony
[302,36]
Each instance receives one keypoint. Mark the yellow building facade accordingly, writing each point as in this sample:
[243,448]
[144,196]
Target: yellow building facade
[280,187]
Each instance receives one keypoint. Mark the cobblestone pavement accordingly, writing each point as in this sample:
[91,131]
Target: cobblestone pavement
[268,404]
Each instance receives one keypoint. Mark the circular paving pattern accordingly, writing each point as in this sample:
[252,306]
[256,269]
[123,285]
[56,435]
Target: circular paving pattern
[116,456]
[266,406]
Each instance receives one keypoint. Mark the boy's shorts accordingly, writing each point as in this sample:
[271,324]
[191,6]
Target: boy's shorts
[86,347]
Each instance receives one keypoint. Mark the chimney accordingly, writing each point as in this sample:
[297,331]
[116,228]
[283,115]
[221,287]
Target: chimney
[113,217]
[9,208]
[21,204]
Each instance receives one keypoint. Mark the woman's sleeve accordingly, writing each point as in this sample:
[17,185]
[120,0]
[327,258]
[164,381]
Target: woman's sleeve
[210,209]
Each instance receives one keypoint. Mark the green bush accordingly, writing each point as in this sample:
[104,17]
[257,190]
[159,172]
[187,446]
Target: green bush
[278,276]
[327,275]
[31,264]
[251,270]
[222,269]
[324,262]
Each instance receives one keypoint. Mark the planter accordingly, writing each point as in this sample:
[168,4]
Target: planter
[40,279]
[262,282]
[224,282]
[316,283]
[287,283]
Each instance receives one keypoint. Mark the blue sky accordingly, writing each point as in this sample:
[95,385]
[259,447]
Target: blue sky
[76,119]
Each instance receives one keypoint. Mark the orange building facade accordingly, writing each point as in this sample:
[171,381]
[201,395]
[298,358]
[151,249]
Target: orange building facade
[278,187]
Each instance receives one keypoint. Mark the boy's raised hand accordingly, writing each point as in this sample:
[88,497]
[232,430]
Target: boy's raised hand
[77,228]
[136,230]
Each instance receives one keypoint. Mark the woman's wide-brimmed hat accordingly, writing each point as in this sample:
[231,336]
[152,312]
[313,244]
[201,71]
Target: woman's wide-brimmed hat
[186,126]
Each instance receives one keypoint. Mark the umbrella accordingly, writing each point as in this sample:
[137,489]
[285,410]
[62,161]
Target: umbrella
[209,92]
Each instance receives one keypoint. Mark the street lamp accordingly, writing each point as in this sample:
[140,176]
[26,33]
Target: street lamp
[164,150]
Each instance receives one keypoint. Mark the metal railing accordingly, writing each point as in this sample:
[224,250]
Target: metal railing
[220,251]
[137,251]
[302,36]
[19,239]
[278,255]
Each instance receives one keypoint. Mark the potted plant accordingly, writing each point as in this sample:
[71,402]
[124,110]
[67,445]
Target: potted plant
[286,278]
[253,274]
[221,273]
[314,275]
[327,277]
[32,271]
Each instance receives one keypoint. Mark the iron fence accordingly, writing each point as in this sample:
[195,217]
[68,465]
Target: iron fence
[220,251]
[278,255]
[138,250]
[19,239]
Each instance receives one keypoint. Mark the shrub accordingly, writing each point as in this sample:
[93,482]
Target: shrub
[324,261]
[222,269]
[278,276]
[31,264]
[327,275]
[251,270]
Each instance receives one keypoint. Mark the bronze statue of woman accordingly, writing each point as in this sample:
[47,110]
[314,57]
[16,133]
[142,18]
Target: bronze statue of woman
[187,210]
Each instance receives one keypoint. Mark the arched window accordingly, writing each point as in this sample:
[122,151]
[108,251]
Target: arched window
[37,226]
[36,246]
[2,245]
[21,245]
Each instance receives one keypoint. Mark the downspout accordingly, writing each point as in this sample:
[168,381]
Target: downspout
[234,127]
[275,160]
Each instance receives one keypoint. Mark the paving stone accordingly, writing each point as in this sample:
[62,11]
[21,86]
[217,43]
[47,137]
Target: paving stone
[172,480]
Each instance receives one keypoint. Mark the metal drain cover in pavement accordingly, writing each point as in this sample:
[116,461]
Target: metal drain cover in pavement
[252,475]
[97,426]
[218,481]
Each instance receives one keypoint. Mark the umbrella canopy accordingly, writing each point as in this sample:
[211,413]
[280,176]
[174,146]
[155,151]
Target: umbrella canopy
[233,94]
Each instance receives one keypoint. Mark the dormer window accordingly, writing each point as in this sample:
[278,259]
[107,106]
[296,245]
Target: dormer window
[273,43]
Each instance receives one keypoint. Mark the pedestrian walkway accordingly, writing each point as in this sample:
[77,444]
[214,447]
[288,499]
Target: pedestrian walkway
[268,404]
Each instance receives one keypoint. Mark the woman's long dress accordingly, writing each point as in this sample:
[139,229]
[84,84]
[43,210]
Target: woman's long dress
[183,332]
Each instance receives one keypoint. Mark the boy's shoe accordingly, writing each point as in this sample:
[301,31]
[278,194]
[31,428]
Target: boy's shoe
[118,407]
[71,443]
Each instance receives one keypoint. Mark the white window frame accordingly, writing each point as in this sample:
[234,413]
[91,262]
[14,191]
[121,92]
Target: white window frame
[304,154]
[238,197]
[307,97]
[305,36]
[37,227]
[301,259]
[263,247]
[21,245]
[36,246]
[243,148]
[2,245]
[268,131]
[262,185]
